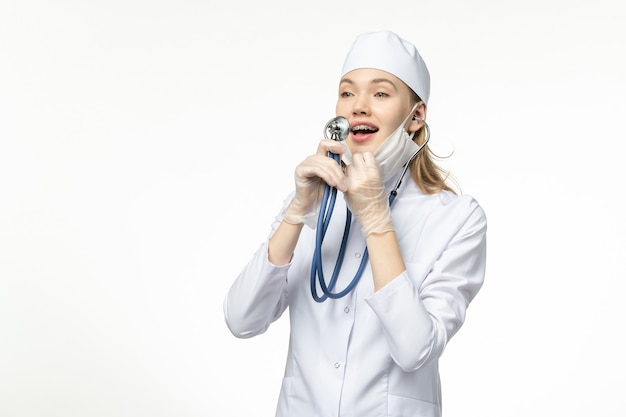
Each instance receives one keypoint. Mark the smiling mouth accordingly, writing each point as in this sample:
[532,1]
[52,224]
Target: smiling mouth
[360,130]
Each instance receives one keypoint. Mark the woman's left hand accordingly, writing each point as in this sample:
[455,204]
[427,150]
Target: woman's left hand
[366,195]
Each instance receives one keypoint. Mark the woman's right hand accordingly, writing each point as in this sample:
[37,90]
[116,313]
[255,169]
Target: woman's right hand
[310,176]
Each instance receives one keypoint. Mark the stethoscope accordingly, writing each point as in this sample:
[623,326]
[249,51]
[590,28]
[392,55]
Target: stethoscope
[338,129]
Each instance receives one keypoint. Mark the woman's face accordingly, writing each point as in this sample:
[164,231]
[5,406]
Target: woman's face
[375,103]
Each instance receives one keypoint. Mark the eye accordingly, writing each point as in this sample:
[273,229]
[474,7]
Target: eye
[380,94]
[345,94]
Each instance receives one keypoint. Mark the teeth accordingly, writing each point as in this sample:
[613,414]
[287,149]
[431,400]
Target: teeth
[362,127]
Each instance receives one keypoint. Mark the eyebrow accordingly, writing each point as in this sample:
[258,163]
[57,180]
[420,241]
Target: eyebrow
[374,81]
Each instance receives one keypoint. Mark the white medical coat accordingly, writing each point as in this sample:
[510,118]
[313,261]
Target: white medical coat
[369,353]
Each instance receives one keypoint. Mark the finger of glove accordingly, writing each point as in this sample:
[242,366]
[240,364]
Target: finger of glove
[321,167]
[364,160]
[364,176]
[333,146]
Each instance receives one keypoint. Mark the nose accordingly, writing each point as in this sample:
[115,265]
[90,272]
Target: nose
[361,106]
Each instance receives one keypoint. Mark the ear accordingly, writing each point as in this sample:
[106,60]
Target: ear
[419,113]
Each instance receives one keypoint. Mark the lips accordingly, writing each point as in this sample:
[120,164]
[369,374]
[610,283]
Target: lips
[361,131]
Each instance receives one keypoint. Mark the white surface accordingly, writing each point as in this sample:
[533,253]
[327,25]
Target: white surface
[126,125]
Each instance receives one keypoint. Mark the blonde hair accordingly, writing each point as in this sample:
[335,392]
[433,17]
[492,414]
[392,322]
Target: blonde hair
[427,174]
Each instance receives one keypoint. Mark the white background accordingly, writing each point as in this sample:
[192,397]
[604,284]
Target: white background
[145,147]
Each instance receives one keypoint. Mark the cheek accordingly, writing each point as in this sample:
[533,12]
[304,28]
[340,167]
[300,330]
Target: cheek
[341,109]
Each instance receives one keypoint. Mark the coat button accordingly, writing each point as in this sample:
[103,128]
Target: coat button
[346,310]
[357,255]
[337,365]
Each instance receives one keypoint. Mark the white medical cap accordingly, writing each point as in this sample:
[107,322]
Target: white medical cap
[386,51]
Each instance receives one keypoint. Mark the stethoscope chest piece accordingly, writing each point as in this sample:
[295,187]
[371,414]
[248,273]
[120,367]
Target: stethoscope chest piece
[337,129]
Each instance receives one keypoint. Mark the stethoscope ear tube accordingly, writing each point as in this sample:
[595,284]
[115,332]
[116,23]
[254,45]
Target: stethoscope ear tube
[394,191]
[337,127]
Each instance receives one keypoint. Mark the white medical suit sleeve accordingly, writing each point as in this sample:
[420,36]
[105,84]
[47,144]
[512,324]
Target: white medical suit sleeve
[418,320]
[258,296]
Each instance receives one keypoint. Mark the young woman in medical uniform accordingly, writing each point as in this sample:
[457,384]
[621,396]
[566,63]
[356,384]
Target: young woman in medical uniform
[375,351]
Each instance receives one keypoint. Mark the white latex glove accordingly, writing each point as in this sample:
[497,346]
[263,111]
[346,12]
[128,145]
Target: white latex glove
[310,177]
[366,196]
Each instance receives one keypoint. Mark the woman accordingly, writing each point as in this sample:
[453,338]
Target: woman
[374,351]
